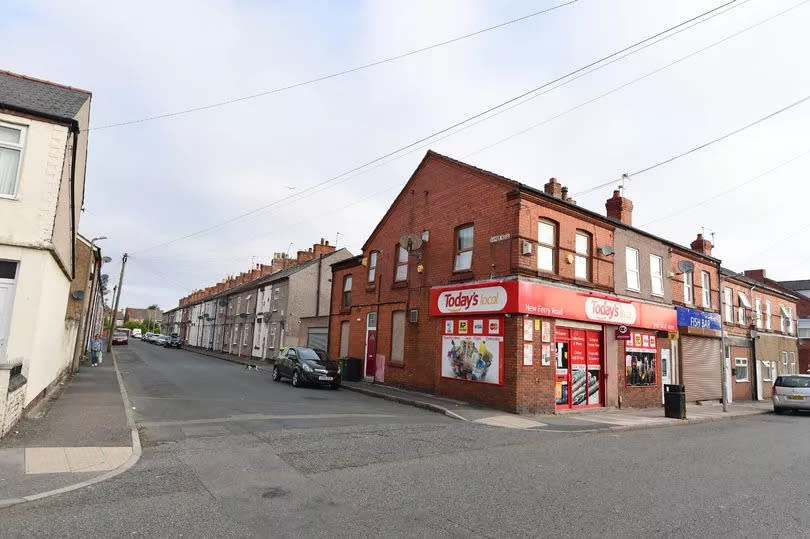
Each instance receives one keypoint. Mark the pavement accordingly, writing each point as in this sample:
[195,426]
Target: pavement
[72,440]
[228,452]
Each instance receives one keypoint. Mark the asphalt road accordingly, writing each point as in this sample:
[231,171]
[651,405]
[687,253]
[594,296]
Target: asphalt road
[228,452]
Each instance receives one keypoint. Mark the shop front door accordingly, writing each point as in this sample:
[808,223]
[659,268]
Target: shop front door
[579,368]
[371,345]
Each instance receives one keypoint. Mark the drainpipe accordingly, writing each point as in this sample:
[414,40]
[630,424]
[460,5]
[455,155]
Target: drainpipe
[725,385]
[318,288]
[75,130]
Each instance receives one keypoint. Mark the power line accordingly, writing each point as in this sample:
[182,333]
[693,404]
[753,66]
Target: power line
[727,191]
[698,147]
[446,129]
[336,74]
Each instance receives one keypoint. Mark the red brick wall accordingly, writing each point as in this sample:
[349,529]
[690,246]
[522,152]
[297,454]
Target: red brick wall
[701,265]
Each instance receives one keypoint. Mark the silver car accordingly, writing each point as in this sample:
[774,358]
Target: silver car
[791,393]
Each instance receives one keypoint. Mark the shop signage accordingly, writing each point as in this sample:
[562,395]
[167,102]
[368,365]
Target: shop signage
[695,318]
[622,333]
[524,297]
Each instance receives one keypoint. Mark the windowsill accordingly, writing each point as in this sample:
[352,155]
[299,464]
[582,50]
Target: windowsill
[395,365]
[10,197]
[583,281]
[399,284]
[741,381]
[637,291]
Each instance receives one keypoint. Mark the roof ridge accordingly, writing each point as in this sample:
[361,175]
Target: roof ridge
[44,81]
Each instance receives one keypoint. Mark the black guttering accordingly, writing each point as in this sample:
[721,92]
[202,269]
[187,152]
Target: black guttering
[72,122]
[347,263]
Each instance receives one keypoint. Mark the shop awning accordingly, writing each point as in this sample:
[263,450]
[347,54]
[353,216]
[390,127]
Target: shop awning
[744,301]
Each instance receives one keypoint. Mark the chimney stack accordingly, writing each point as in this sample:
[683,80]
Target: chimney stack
[322,248]
[620,208]
[702,245]
[553,188]
[757,274]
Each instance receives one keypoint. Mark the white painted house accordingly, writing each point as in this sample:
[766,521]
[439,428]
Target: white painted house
[43,148]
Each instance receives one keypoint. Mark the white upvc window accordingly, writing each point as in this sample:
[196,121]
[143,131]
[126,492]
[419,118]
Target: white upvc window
[688,290]
[706,288]
[657,275]
[743,305]
[767,370]
[768,315]
[235,334]
[12,141]
[402,264]
[582,260]
[784,319]
[793,366]
[244,334]
[546,245]
[631,263]
[372,266]
[785,363]
[741,365]
[728,304]
[464,248]
[789,320]
[758,312]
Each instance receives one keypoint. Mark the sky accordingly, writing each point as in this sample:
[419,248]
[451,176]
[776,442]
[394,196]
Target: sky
[151,182]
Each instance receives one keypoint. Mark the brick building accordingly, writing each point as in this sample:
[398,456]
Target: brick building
[802,290]
[505,297]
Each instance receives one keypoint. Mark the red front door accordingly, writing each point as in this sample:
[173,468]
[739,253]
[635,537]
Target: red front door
[371,352]
[579,368]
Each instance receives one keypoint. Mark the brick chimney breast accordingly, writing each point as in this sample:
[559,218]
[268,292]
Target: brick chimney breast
[702,245]
[553,188]
[757,275]
[620,208]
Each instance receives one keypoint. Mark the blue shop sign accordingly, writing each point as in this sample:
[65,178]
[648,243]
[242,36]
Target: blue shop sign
[694,318]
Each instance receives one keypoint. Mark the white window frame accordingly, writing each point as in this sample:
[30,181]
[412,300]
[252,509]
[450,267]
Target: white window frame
[782,310]
[401,264]
[741,362]
[582,258]
[706,289]
[785,363]
[742,299]
[790,321]
[544,247]
[793,365]
[348,282]
[459,252]
[235,335]
[728,304]
[758,312]
[656,275]
[239,306]
[372,265]
[244,334]
[19,146]
[688,288]
[767,375]
[272,335]
[632,274]
[768,315]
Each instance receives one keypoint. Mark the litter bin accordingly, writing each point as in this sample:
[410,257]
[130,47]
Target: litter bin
[674,401]
[354,369]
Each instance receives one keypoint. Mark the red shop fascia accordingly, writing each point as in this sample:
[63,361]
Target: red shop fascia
[530,347]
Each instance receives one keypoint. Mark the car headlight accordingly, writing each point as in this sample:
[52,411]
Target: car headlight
[307,367]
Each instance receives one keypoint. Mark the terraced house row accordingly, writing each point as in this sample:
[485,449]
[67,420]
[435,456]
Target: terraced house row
[485,289]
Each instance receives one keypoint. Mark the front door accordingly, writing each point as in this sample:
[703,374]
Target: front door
[666,370]
[371,345]
[6,301]
[579,368]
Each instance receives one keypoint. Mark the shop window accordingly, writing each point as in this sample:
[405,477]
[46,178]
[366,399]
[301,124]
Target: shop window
[398,337]
[582,259]
[758,312]
[631,264]
[657,275]
[372,266]
[402,264]
[464,248]
[688,288]
[706,288]
[546,245]
[640,367]
[728,304]
[741,369]
[347,291]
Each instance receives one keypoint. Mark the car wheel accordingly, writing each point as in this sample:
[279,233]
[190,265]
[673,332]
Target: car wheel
[296,379]
[276,374]
[779,411]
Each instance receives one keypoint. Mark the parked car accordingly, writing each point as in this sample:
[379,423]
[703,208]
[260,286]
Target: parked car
[173,341]
[791,393]
[119,337]
[148,336]
[304,366]
[136,333]
[160,340]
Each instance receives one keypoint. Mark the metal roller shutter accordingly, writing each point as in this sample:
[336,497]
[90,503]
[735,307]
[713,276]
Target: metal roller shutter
[702,368]
[316,338]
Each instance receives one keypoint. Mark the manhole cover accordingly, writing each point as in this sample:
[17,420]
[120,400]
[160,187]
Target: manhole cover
[275,492]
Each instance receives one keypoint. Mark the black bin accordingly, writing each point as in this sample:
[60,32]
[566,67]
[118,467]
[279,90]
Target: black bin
[674,401]
[354,369]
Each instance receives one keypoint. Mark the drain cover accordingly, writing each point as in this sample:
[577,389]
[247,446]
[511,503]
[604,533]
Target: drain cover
[275,492]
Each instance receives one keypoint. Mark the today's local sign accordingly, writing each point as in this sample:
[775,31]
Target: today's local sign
[612,312]
[472,300]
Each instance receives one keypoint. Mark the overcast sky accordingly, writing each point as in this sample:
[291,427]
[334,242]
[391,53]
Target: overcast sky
[151,182]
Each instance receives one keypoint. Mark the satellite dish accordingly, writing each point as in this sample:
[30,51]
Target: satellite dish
[106,259]
[77,294]
[606,250]
[684,266]
[410,242]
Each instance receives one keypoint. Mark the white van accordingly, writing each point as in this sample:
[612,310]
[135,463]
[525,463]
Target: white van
[136,333]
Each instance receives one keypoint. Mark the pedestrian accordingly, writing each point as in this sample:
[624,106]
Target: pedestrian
[95,350]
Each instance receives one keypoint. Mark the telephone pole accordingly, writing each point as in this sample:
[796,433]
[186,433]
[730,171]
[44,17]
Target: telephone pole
[115,306]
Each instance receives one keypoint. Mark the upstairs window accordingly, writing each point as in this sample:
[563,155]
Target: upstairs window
[347,291]
[688,288]
[464,248]
[657,275]
[402,264]
[546,246]
[706,288]
[631,263]
[372,266]
[758,311]
[582,259]
[12,138]
[743,305]
[728,304]
[768,315]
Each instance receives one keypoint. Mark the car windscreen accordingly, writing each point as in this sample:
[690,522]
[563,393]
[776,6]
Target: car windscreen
[792,381]
[118,334]
[308,353]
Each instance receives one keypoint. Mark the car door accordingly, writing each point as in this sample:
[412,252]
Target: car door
[284,363]
[292,360]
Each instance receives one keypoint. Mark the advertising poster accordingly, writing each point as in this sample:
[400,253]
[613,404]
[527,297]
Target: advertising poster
[528,352]
[528,327]
[475,358]
[478,327]
[462,326]
[640,365]
[494,327]
[546,353]
[546,331]
[448,326]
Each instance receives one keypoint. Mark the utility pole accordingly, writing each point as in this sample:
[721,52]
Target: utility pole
[115,306]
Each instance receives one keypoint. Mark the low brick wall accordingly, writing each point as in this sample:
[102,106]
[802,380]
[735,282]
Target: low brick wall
[12,394]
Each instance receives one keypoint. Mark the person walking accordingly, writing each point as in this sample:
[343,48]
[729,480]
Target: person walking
[95,350]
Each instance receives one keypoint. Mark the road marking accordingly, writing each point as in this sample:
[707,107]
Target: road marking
[254,417]
[39,460]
